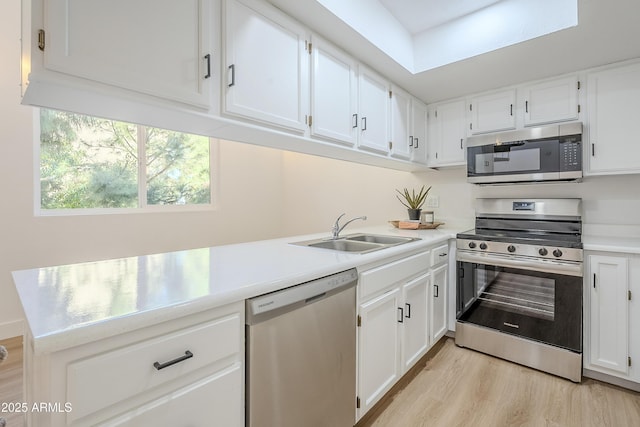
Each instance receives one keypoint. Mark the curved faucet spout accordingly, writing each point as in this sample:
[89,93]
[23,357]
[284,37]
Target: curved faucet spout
[336,229]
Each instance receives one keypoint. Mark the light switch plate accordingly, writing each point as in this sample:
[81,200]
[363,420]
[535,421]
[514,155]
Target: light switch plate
[432,202]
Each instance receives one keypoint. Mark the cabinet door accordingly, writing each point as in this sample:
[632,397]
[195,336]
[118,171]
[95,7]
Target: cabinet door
[334,94]
[446,145]
[161,49]
[378,341]
[415,334]
[401,136]
[493,112]
[438,304]
[418,144]
[608,313]
[214,400]
[266,64]
[373,106]
[614,145]
[552,101]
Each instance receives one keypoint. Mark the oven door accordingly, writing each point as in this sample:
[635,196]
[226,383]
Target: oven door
[545,306]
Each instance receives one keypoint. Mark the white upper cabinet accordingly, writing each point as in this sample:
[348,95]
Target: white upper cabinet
[447,134]
[408,126]
[334,94]
[401,140]
[493,112]
[267,65]
[161,49]
[373,107]
[551,101]
[613,145]
[418,137]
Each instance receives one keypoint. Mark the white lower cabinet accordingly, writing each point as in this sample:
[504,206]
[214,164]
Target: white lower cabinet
[612,313]
[414,320]
[394,316]
[378,357]
[438,303]
[186,371]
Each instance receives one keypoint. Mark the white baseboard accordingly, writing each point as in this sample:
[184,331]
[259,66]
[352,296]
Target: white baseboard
[11,329]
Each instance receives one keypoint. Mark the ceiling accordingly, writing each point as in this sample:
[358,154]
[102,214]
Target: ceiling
[420,15]
[606,32]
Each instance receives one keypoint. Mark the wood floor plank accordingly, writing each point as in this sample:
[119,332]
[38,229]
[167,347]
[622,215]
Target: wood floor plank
[11,380]
[461,387]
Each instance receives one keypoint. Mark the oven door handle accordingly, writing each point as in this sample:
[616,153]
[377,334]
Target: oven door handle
[568,268]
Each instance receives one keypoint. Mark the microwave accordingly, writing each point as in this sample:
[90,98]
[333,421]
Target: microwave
[540,154]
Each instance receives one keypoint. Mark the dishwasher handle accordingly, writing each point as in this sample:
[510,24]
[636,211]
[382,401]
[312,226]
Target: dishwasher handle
[268,306]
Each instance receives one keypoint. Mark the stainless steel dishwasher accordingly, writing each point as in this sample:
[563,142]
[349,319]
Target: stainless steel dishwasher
[301,354]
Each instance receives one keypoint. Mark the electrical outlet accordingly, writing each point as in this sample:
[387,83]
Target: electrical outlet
[432,202]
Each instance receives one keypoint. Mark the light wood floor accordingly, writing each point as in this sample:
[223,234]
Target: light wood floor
[461,387]
[11,380]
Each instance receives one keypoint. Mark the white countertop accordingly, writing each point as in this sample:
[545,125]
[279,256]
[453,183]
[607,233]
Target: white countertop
[75,304]
[630,245]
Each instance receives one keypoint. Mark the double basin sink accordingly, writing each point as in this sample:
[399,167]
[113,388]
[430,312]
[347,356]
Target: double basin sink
[358,243]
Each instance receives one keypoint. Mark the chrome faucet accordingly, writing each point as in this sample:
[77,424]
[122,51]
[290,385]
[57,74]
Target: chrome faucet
[336,229]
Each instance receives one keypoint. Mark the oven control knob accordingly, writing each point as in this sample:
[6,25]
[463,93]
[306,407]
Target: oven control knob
[472,245]
[511,248]
[543,251]
[557,253]
[483,246]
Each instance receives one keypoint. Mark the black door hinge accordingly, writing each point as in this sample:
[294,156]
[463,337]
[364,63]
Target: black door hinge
[41,40]
[359,321]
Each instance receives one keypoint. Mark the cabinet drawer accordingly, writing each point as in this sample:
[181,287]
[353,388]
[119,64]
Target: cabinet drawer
[103,380]
[215,400]
[440,255]
[379,278]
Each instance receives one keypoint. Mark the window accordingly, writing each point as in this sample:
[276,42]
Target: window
[91,163]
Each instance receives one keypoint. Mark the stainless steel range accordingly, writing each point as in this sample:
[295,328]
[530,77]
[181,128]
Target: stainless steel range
[519,283]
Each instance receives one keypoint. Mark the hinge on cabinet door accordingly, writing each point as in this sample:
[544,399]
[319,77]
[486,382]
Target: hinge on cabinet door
[359,322]
[390,145]
[436,114]
[390,94]
[436,154]
[357,402]
[629,295]
[470,107]
[470,126]
[578,84]
[310,121]
[578,108]
[41,42]
[308,46]
[629,360]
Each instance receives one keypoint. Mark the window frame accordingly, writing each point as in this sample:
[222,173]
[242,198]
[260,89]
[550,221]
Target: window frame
[143,207]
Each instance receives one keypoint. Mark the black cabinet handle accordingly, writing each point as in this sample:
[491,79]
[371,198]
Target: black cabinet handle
[355,121]
[593,150]
[408,315]
[526,106]
[416,145]
[208,58]
[511,109]
[594,280]
[410,141]
[187,355]
[461,143]
[232,67]
[401,320]
[364,123]
[435,295]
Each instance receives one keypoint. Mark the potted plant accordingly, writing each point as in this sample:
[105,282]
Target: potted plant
[413,201]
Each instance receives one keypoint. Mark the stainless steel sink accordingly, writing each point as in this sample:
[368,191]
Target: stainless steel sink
[385,240]
[358,243]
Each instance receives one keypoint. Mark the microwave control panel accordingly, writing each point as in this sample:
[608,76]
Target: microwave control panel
[570,156]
